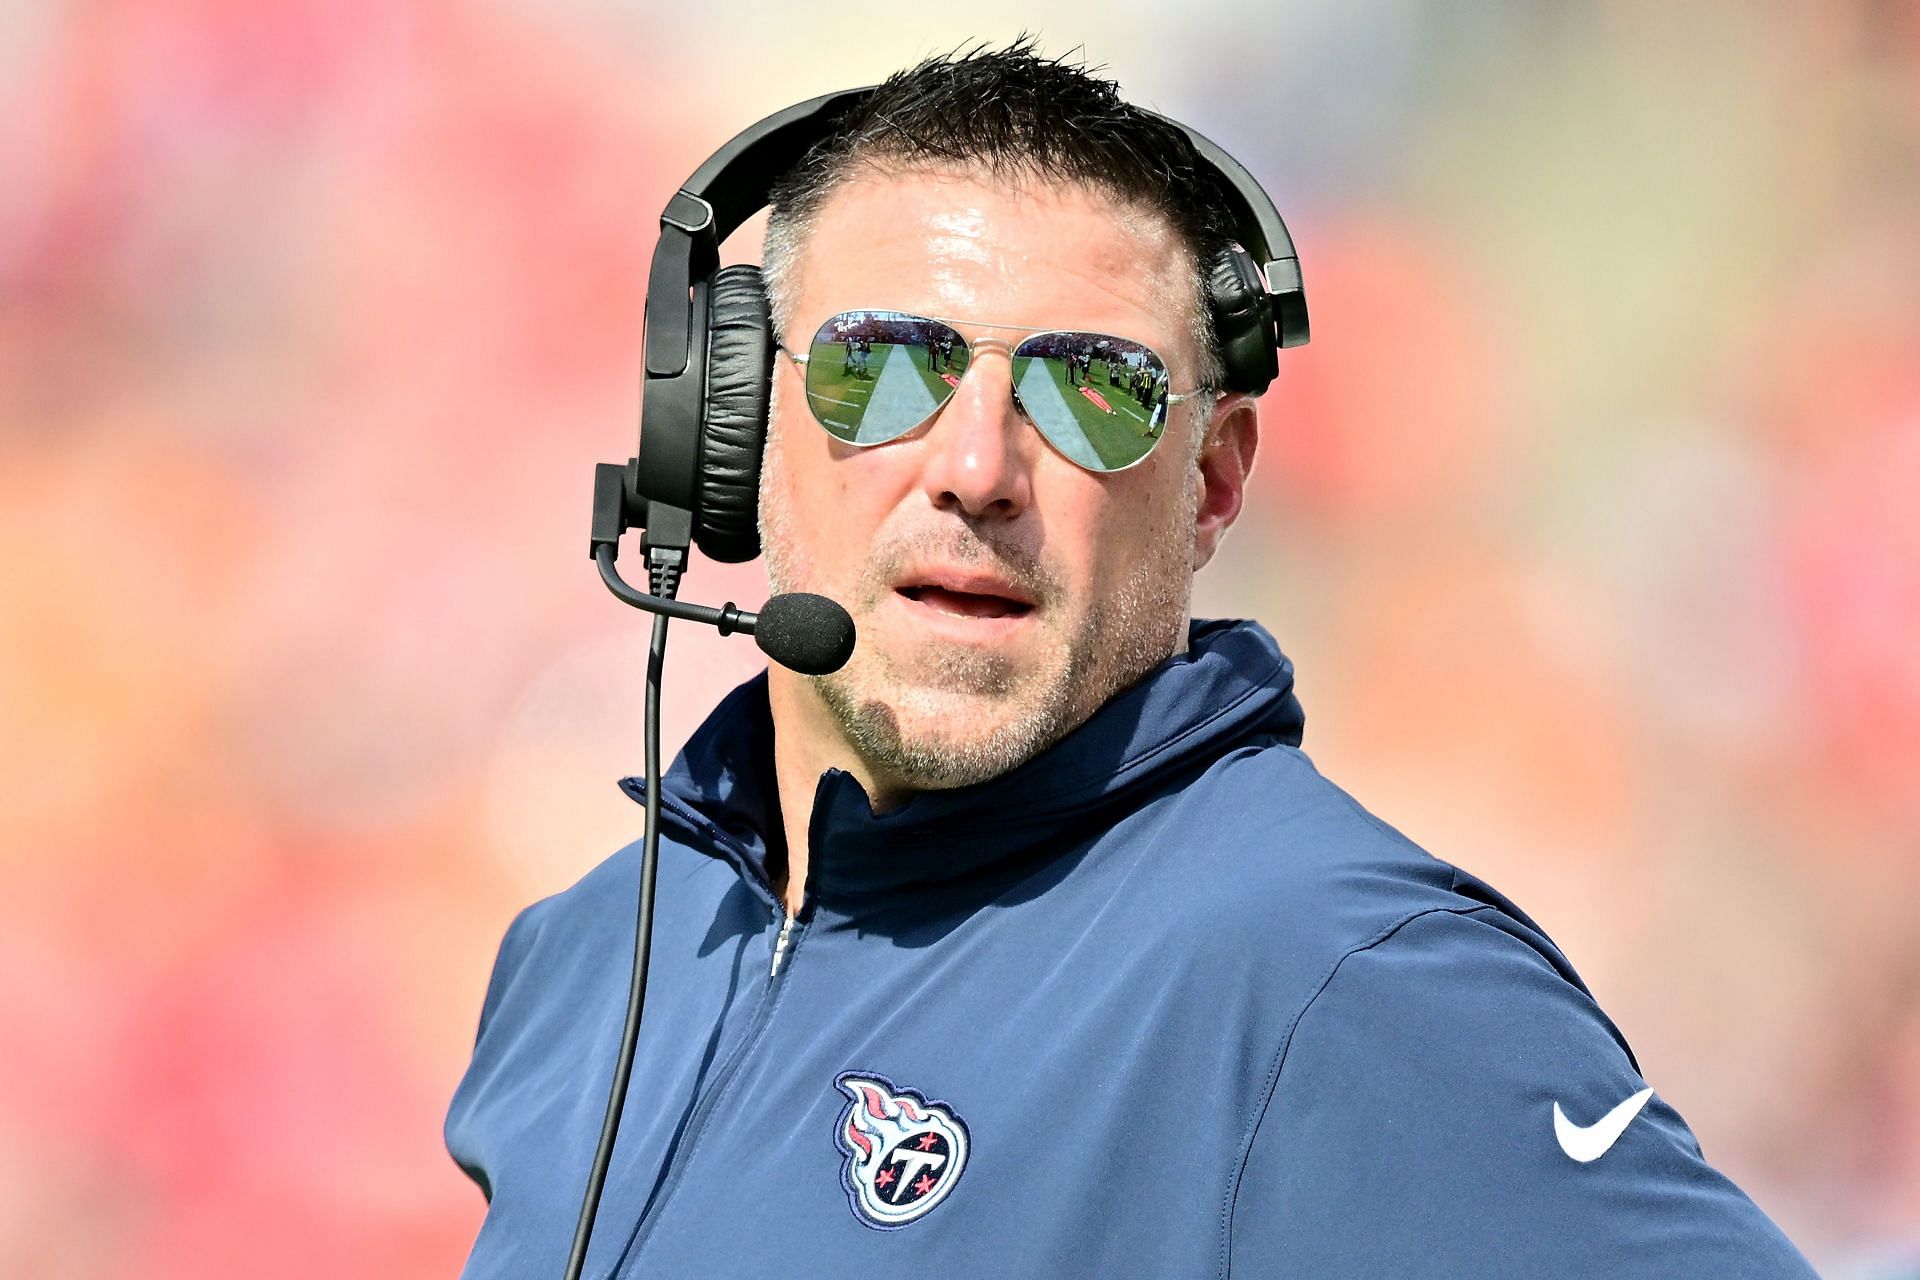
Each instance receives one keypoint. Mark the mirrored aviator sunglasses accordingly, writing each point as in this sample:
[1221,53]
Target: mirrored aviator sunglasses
[875,376]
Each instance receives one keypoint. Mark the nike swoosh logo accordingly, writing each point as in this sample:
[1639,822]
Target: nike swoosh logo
[1589,1142]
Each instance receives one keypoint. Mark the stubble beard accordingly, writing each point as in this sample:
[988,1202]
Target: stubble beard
[945,716]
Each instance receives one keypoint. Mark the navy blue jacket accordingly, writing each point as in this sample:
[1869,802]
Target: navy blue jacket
[1161,1002]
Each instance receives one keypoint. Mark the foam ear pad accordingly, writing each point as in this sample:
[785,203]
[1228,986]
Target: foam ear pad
[1242,321]
[734,435]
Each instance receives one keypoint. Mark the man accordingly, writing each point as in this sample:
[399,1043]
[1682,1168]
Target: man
[1030,944]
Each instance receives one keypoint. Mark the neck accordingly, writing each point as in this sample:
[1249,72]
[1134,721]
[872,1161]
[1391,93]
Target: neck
[806,743]
[808,740]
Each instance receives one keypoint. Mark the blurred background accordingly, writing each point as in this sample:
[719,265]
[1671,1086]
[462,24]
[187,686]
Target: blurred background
[1589,518]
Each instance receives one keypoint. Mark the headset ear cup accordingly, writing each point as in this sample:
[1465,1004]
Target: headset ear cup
[1242,321]
[734,433]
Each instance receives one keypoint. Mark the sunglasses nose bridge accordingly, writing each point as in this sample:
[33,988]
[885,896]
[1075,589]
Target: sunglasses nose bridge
[1000,345]
[1010,350]
[992,380]
[972,349]
[976,347]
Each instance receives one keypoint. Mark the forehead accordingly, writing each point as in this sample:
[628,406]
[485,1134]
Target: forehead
[1018,251]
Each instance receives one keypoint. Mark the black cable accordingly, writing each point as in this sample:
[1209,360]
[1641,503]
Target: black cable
[665,583]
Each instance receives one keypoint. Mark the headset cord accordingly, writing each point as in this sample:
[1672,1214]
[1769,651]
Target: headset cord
[664,568]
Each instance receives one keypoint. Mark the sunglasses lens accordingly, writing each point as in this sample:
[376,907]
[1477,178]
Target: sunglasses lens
[873,376]
[1099,399]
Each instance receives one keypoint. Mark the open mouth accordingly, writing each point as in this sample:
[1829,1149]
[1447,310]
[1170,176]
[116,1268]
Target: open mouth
[966,604]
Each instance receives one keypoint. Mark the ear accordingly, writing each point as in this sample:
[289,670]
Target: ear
[1232,435]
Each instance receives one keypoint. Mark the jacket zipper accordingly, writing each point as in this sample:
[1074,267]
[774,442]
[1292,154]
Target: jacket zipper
[783,946]
[780,944]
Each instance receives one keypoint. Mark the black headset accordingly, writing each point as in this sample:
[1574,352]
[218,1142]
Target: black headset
[710,342]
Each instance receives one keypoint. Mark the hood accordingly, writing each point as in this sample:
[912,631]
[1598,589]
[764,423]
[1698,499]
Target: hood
[1233,687]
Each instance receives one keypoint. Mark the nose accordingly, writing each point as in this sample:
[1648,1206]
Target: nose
[978,455]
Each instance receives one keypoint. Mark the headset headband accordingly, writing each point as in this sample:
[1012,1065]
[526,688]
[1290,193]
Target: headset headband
[734,182]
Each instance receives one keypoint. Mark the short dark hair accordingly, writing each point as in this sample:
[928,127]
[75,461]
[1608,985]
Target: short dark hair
[1017,114]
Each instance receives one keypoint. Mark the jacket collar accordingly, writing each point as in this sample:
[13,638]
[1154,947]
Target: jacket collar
[1233,686]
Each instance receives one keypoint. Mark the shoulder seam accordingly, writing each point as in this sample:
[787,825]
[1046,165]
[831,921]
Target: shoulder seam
[1278,1064]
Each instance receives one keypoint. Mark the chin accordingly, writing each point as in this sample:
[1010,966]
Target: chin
[931,738]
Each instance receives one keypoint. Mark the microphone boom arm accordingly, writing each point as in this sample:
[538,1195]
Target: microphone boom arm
[727,619]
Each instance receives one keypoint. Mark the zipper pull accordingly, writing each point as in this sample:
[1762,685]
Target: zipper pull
[780,944]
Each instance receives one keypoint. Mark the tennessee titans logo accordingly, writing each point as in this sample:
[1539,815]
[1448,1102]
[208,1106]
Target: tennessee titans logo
[903,1153]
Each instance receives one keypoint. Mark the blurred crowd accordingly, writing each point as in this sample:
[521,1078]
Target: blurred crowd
[1588,517]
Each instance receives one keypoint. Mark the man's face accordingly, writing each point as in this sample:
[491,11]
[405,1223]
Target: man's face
[1001,592]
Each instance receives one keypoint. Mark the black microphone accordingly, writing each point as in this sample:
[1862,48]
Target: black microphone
[804,632]
[801,631]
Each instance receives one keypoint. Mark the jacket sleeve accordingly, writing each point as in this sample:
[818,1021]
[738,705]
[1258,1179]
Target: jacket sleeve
[1446,1106]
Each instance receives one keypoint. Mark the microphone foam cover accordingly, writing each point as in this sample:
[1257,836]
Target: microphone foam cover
[805,633]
